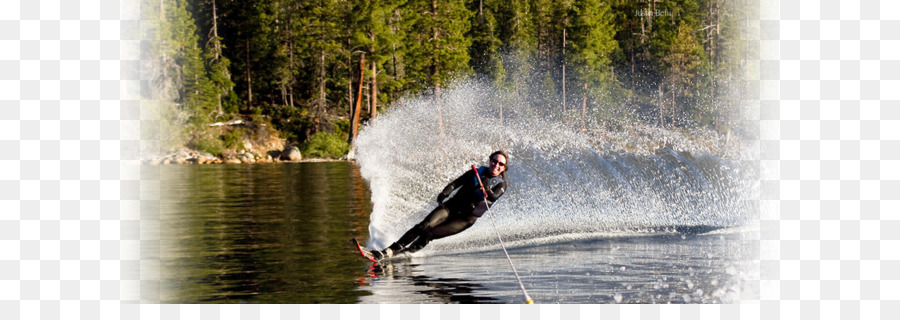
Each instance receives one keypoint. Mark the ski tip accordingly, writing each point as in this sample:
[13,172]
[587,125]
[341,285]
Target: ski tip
[362,251]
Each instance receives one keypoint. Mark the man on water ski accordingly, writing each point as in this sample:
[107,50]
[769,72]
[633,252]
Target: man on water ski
[459,212]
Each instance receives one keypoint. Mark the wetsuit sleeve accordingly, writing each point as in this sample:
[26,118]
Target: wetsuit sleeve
[496,191]
[452,186]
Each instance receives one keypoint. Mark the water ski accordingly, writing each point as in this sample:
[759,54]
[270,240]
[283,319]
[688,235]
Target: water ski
[363,251]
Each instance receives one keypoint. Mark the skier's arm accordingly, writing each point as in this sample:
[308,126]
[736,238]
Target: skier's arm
[494,192]
[450,187]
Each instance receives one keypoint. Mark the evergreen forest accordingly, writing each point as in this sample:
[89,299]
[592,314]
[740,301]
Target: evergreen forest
[322,67]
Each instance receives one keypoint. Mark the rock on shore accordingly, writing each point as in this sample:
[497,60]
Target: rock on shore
[291,153]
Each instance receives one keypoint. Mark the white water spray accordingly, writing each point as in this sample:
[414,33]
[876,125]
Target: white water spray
[563,183]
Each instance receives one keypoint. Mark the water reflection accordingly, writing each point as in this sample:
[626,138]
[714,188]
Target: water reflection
[432,289]
[261,233]
[678,267]
[278,233]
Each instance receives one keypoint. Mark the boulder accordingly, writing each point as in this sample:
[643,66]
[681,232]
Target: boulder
[291,153]
[247,158]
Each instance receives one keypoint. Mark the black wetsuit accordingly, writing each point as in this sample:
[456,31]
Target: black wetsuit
[455,214]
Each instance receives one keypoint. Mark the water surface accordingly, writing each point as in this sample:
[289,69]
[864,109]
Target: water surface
[279,233]
[264,233]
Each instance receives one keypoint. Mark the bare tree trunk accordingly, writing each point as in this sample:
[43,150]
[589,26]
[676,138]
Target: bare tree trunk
[354,120]
[373,98]
[217,50]
[434,71]
[481,8]
[672,108]
[320,106]
[373,95]
[564,70]
[350,83]
[584,105]
[249,79]
[164,59]
[437,97]
[290,28]
[661,105]
[642,29]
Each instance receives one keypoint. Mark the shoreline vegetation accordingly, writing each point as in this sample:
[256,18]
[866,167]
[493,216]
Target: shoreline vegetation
[255,142]
[245,81]
[249,141]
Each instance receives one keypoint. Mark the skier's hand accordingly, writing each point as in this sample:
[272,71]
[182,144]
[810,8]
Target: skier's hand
[440,198]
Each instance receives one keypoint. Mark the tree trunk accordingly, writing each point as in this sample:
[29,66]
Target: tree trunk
[291,63]
[350,100]
[564,70]
[320,106]
[434,70]
[217,50]
[164,59]
[643,29]
[373,97]
[584,105]
[481,9]
[249,79]
[437,97]
[672,108]
[661,105]
[354,120]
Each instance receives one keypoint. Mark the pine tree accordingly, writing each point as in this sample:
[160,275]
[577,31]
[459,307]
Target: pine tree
[485,49]
[438,49]
[515,31]
[398,23]
[375,32]
[683,60]
[217,65]
[592,44]
[184,65]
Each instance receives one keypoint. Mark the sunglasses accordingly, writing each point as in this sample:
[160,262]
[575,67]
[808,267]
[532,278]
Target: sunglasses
[501,164]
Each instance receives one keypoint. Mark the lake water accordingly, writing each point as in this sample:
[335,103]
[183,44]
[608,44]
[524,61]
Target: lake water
[279,233]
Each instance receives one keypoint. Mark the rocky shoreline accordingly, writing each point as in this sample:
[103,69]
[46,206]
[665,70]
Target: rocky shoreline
[253,142]
[186,156]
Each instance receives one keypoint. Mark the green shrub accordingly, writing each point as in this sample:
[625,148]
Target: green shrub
[325,145]
[209,145]
[342,127]
[234,139]
[293,123]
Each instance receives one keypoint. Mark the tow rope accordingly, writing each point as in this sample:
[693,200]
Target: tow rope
[528,299]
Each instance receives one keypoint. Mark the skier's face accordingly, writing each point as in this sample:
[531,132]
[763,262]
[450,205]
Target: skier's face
[498,164]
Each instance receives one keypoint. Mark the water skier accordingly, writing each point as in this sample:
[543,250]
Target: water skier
[457,213]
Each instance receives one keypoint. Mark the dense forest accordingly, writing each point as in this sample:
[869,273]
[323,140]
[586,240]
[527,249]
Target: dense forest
[319,67]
